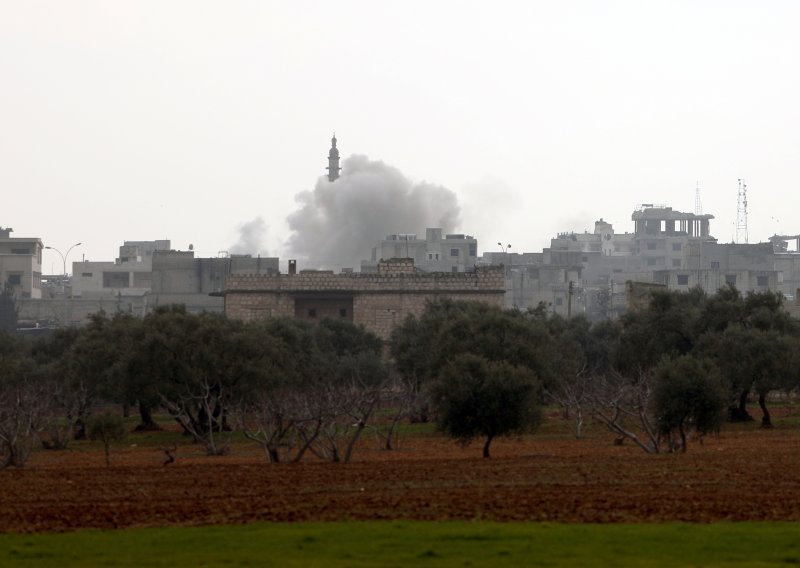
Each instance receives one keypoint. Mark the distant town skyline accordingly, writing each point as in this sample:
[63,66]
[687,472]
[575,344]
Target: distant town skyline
[191,121]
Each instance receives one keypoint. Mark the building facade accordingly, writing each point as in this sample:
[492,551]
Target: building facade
[435,253]
[378,301]
[21,264]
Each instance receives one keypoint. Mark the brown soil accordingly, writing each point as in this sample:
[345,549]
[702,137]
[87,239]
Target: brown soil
[743,474]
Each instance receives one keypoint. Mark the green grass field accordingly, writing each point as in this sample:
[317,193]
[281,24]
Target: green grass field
[414,544]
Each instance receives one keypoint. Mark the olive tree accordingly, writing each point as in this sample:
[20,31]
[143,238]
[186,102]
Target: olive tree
[688,397]
[474,397]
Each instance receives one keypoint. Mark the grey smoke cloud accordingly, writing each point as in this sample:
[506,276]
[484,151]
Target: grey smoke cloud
[251,237]
[339,222]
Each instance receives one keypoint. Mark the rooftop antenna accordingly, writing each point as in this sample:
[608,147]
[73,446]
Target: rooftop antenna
[741,213]
[698,206]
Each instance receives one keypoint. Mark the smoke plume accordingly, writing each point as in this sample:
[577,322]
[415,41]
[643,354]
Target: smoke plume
[251,237]
[339,222]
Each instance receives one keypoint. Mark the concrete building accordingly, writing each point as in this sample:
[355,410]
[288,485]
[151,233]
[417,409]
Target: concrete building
[378,301]
[198,283]
[711,266]
[21,264]
[146,274]
[436,253]
[669,249]
[129,275]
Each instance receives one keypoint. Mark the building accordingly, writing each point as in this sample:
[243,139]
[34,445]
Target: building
[379,301]
[180,278]
[145,275]
[21,264]
[128,275]
[711,266]
[668,248]
[436,253]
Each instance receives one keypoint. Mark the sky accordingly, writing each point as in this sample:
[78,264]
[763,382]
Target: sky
[209,123]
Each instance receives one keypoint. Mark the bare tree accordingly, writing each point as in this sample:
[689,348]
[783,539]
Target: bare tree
[25,406]
[573,394]
[623,406]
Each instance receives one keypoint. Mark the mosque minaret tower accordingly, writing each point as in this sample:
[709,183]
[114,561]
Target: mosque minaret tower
[333,161]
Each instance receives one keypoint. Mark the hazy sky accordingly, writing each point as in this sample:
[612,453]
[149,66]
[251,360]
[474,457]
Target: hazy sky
[188,120]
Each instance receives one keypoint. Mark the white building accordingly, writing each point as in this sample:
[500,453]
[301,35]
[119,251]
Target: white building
[21,264]
[436,253]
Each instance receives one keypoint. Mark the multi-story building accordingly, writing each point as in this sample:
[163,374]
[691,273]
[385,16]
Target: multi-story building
[591,272]
[21,264]
[436,253]
[129,275]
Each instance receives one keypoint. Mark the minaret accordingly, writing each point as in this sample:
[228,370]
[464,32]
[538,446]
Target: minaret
[333,161]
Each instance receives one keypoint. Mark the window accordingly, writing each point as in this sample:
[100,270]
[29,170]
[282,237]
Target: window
[453,252]
[473,249]
[343,312]
[651,261]
[651,246]
[584,258]
[730,279]
[676,263]
[86,274]
[116,280]
[676,247]
[312,313]
[430,256]
[715,264]
[15,279]
[683,279]
[455,269]
[762,280]
[559,301]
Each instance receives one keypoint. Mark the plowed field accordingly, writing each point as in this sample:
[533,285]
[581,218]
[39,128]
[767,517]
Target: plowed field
[744,474]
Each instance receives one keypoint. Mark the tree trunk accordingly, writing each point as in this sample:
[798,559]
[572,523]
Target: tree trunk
[739,413]
[147,424]
[489,439]
[683,439]
[356,435]
[766,419]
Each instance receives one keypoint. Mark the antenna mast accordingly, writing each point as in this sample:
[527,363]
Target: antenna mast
[741,213]
[698,207]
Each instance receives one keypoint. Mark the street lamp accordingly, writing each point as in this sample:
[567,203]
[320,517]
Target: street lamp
[504,249]
[64,256]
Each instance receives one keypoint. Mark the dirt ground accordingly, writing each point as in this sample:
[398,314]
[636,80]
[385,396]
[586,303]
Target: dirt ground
[743,474]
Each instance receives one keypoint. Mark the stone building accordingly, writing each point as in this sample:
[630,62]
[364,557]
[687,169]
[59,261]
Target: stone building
[378,301]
